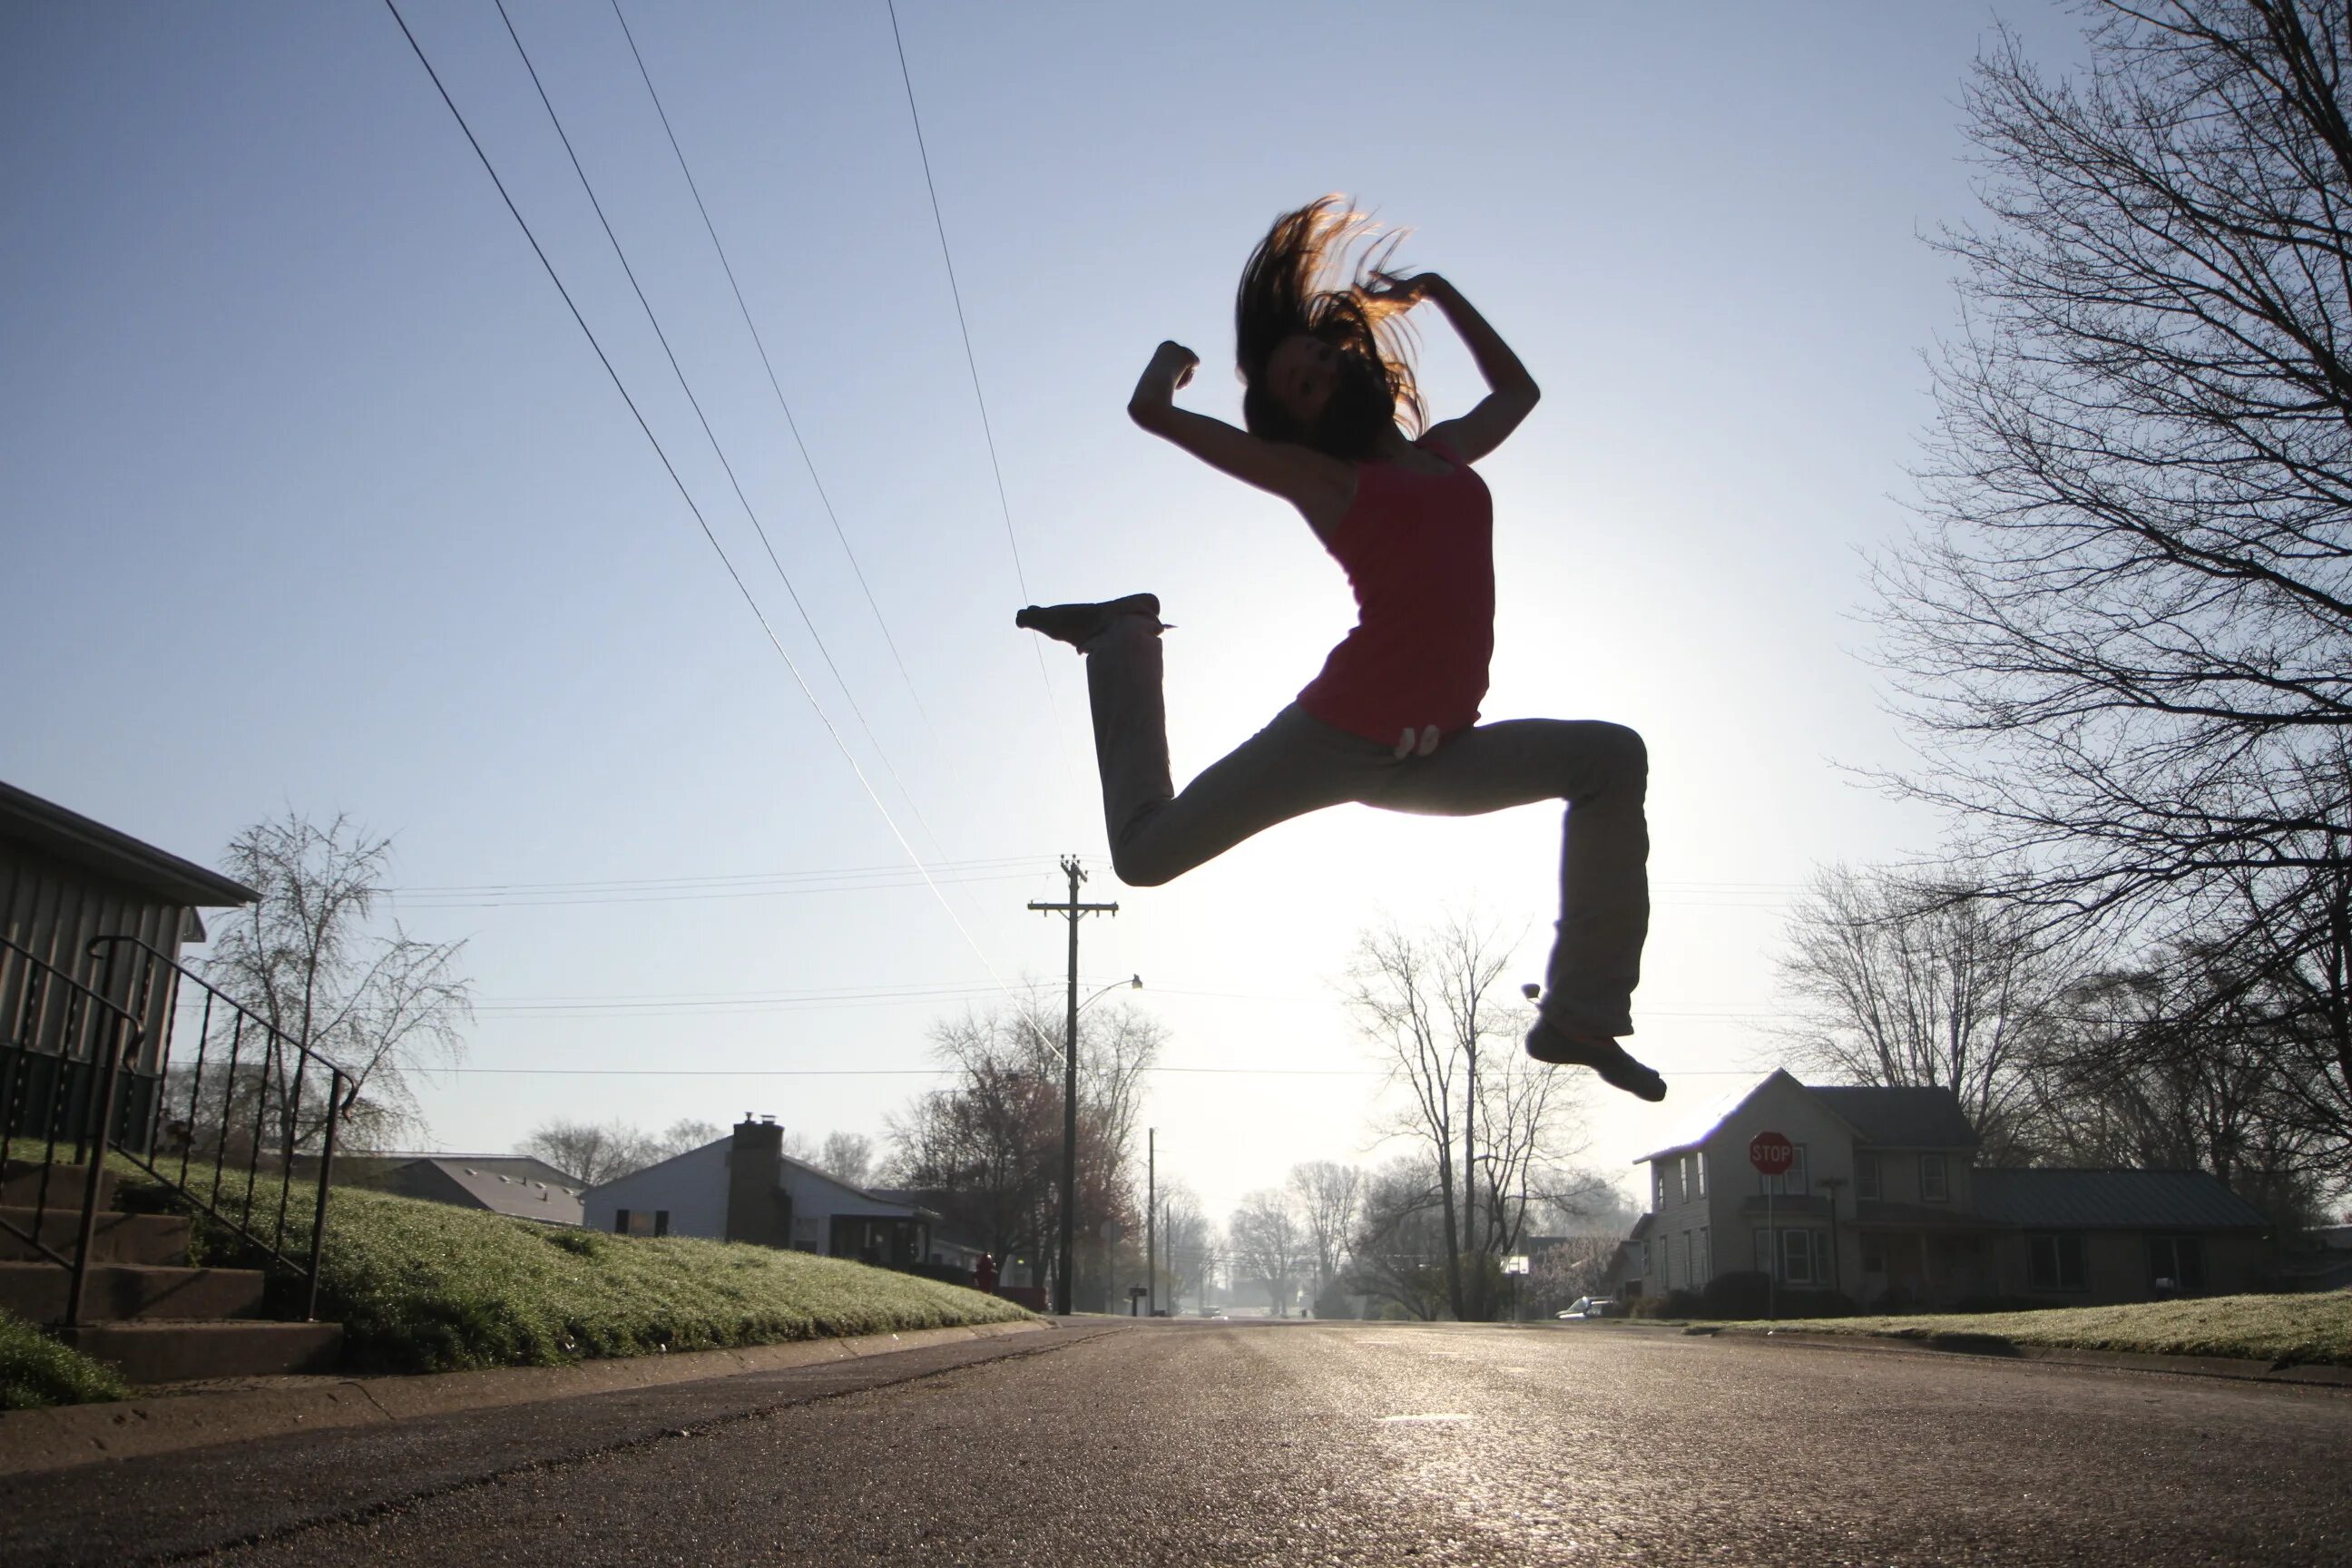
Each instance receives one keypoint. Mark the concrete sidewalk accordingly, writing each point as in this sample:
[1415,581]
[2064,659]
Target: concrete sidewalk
[2000,1347]
[167,1422]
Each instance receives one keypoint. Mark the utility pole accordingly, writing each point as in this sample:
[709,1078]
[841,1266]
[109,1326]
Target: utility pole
[1151,1221]
[1073,912]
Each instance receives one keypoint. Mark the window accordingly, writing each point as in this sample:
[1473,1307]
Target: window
[1705,1270]
[2053,1260]
[1792,1184]
[640,1222]
[1804,1256]
[1690,1262]
[2176,1263]
[1682,1178]
[1658,1186]
[1865,1178]
[1934,1186]
[1698,1164]
[620,1222]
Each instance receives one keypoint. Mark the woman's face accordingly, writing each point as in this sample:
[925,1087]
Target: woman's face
[1301,374]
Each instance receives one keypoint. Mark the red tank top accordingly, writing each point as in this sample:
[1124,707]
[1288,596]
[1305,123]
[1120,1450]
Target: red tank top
[1419,551]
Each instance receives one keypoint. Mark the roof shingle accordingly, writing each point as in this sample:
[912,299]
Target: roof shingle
[1900,1118]
[2111,1200]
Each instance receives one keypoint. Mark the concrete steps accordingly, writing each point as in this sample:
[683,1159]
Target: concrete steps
[20,1185]
[118,1292]
[145,1309]
[119,1238]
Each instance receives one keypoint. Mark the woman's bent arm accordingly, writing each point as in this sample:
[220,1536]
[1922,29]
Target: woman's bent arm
[1512,394]
[1320,487]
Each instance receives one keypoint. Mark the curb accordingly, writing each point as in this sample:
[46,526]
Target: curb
[71,1435]
[1998,1348]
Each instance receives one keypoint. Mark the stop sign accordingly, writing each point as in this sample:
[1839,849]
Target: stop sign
[1771,1152]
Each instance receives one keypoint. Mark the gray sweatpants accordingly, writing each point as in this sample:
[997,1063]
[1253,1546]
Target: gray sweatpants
[1298,763]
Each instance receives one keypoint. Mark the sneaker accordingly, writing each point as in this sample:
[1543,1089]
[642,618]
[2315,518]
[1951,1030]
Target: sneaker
[1547,1042]
[1080,624]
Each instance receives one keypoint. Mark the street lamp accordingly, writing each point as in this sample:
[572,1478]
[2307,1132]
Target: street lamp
[1132,983]
[1070,1128]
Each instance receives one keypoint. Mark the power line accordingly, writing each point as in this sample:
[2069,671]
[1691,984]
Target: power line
[679,370]
[943,1071]
[971,360]
[903,878]
[699,879]
[790,423]
[684,494]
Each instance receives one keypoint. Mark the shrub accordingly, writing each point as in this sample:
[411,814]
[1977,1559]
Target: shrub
[1745,1294]
[36,1371]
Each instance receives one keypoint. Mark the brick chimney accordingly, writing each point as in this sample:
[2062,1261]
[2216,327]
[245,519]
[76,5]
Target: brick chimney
[758,1209]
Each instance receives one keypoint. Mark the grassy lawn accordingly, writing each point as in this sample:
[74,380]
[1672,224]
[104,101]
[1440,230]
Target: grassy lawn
[424,1286]
[2298,1329]
[36,1371]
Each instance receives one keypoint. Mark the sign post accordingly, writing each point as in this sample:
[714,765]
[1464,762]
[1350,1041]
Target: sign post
[1515,1266]
[1771,1153]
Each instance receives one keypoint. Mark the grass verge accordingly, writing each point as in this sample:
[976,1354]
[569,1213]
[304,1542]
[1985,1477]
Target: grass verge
[2291,1330]
[36,1372]
[425,1287]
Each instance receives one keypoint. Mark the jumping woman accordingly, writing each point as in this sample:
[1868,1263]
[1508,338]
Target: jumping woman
[1392,720]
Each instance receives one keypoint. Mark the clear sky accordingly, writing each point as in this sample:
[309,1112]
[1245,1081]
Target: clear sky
[315,495]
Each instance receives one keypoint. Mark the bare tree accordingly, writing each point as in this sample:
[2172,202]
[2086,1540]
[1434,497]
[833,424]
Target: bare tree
[310,958]
[1269,1246]
[682,1135]
[2124,631]
[1398,1253]
[1567,1269]
[2178,1069]
[847,1157]
[991,1143]
[1327,1196]
[588,1152]
[1187,1242]
[1906,981]
[1497,1131]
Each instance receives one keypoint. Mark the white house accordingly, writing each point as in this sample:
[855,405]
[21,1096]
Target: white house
[1885,1205]
[744,1187]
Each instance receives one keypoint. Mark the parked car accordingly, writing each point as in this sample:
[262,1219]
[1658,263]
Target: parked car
[1590,1307]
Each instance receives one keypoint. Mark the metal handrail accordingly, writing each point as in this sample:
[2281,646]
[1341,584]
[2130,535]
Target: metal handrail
[268,1059]
[120,1038]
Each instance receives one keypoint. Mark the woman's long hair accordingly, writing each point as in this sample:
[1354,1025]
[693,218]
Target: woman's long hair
[1310,274]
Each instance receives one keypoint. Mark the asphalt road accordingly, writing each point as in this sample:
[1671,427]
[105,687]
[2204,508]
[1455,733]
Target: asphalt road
[1289,1443]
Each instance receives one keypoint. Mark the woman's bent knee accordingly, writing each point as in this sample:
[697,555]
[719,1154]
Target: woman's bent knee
[1629,754]
[1137,869]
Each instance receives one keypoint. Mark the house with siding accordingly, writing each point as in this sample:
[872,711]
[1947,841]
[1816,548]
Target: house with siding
[744,1187]
[1885,1205]
[66,882]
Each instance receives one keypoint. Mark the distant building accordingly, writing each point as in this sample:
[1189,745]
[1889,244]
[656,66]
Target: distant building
[947,1246]
[516,1184]
[1885,1205]
[744,1187]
